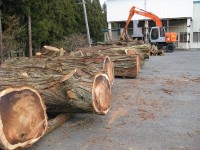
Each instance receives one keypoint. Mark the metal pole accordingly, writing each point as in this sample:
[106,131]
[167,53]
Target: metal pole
[146,24]
[86,22]
[30,34]
[1,47]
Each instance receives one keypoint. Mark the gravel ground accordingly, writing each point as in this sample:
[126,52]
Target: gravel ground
[160,110]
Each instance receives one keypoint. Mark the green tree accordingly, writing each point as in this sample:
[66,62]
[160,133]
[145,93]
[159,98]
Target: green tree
[96,19]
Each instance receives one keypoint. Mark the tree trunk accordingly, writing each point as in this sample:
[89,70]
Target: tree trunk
[23,119]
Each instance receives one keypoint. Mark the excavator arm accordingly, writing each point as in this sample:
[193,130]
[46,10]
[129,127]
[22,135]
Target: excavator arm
[141,12]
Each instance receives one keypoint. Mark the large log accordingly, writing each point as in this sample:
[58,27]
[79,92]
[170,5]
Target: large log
[63,65]
[91,65]
[23,119]
[125,64]
[63,91]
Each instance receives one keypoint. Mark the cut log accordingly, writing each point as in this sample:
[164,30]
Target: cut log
[50,51]
[101,94]
[125,65]
[83,95]
[154,51]
[63,65]
[23,119]
[70,92]
[108,67]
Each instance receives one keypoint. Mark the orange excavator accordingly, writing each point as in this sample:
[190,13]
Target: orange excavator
[157,35]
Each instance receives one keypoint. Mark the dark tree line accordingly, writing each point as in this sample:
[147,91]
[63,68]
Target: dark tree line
[51,22]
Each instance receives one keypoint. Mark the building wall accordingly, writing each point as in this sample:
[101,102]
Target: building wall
[167,10]
[118,10]
[196,26]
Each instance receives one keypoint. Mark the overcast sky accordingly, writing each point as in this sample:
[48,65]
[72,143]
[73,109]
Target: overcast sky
[102,1]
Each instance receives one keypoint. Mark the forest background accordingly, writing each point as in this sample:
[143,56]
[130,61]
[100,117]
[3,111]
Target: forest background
[52,23]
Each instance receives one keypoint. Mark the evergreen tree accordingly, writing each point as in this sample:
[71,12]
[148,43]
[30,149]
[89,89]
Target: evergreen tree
[51,20]
[96,20]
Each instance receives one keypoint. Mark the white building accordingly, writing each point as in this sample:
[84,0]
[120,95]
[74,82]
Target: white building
[180,16]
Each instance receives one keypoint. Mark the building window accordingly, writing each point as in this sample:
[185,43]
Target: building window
[196,36]
[183,37]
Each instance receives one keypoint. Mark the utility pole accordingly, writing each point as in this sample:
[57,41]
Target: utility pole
[146,25]
[1,46]
[86,22]
[30,34]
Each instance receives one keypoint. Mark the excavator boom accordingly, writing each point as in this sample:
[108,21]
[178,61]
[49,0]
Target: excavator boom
[141,12]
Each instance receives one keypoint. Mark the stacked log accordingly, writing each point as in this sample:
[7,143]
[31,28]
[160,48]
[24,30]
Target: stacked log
[125,64]
[154,51]
[79,82]
[67,86]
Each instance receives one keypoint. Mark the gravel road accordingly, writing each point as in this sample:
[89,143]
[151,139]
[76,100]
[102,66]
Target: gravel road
[160,110]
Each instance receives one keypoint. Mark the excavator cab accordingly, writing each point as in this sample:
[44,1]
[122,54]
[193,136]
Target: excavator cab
[157,34]
[159,37]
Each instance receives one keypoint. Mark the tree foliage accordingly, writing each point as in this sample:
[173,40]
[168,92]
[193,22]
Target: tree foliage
[52,21]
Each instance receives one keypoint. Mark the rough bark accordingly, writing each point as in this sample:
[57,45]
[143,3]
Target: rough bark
[125,64]
[63,65]
[63,89]
[23,119]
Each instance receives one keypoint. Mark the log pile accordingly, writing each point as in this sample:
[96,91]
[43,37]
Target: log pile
[154,51]
[59,84]
[125,64]
[67,86]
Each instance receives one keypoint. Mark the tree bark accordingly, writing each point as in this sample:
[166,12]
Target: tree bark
[125,64]
[23,119]
[63,88]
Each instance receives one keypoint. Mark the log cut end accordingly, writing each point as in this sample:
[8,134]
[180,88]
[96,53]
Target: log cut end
[23,119]
[108,66]
[101,94]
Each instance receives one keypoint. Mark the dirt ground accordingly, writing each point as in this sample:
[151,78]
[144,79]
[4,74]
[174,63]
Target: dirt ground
[160,110]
